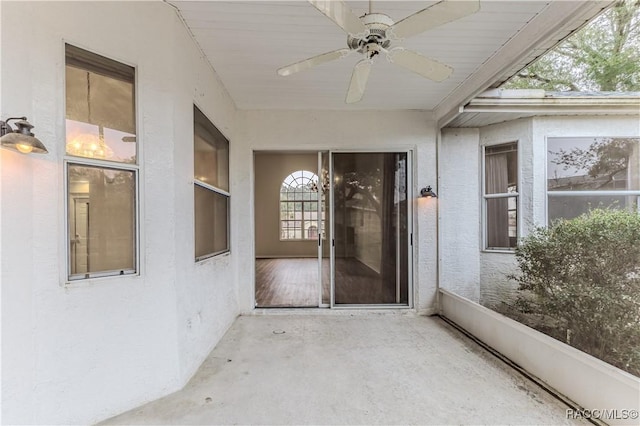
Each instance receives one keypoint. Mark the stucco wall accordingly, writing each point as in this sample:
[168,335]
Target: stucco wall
[323,130]
[79,353]
[459,212]
[532,133]
[270,170]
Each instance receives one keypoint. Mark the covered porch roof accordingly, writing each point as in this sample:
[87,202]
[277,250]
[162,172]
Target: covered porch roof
[246,42]
[499,105]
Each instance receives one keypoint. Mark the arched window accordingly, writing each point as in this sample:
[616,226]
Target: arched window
[299,206]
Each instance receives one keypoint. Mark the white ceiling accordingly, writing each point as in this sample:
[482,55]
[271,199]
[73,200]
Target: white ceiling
[246,42]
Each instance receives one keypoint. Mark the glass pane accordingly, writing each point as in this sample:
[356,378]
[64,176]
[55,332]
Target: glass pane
[569,207]
[211,218]
[502,223]
[501,169]
[100,108]
[324,230]
[101,220]
[371,229]
[211,152]
[593,164]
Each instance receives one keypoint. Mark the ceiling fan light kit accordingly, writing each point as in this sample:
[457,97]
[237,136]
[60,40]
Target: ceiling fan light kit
[375,33]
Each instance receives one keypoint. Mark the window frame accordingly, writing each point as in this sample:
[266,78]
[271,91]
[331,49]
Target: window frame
[318,210]
[578,194]
[71,160]
[212,188]
[485,197]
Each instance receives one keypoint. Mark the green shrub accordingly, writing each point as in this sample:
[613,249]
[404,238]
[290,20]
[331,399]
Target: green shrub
[584,274]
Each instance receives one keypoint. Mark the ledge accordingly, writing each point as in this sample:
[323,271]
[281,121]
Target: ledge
[590,382]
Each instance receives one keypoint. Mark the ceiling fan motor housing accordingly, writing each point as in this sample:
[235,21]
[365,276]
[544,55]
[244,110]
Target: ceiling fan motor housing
[377,24]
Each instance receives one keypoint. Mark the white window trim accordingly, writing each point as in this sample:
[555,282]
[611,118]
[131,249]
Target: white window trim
[484,197]
[79,161]
[200,260]
[67,281]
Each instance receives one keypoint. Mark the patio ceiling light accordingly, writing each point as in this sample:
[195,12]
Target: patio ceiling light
[428,192]
[21,139]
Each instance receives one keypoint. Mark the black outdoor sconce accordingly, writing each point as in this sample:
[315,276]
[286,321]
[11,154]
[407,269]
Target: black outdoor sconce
[21,139]
[428,192]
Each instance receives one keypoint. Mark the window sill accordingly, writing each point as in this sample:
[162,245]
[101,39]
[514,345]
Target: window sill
[500,251]
[203,260]
[93,281]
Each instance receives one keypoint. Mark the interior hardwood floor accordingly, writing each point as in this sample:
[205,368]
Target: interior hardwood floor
[292,282]
[286,283]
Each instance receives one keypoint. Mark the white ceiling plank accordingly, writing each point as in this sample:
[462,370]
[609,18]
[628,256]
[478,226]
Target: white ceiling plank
[246,42]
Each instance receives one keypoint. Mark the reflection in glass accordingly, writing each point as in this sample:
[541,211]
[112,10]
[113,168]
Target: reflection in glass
[211,153]
[371,228]
[596,168]
[593,164]
[101,211]
[100,107]
[211,217]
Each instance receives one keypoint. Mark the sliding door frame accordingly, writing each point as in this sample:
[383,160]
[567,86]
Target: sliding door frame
[321,228]
[409,247]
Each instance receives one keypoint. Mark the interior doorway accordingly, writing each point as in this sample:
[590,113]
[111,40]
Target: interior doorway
[290,225]
[332,229]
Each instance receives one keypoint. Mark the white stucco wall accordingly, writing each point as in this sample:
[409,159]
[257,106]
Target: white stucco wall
[80,353]
[459,156]
[339,130]
[459,212]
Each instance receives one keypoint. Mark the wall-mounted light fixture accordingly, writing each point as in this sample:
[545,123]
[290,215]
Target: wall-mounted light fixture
[428,192]
[21,139]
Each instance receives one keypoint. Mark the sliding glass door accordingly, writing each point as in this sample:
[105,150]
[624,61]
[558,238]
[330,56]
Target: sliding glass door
[370,228]
[332,230]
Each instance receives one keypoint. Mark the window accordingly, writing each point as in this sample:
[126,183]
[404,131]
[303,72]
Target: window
[211,187]
[501,196]
[588,173]
[101,171]
[299,206]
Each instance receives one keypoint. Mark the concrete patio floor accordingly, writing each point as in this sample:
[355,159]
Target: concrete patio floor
[351,369]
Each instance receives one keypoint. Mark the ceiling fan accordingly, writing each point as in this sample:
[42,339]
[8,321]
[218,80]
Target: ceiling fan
[375,33]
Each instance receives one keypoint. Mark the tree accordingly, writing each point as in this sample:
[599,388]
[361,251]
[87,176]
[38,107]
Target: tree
[602,56]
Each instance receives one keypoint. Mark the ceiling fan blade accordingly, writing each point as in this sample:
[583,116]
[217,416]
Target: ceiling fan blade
[431,17]
[312,62]
[426,67]
[358,81]
[339,12]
